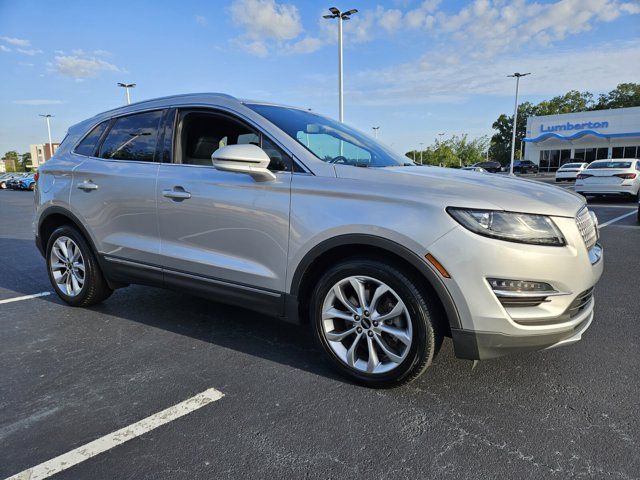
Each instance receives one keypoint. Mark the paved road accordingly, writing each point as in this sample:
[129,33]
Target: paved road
[71,376]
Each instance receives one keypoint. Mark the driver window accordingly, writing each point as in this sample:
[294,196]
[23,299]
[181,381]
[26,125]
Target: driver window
[203,133]
[334,150]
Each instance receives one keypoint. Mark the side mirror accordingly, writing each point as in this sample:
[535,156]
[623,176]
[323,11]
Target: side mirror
[246,158]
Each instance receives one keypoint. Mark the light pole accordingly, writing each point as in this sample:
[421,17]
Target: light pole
[515,118]
[127,86]
[421,144]
[375,131]
[47,117]
[335,13]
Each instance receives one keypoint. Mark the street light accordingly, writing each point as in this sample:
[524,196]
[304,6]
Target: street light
[127,86]
[515,118]
[421,144]
[375,131]
[47,117]
[335,13]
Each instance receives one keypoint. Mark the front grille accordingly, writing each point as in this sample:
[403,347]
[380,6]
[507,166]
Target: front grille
[580,303]
[587,227]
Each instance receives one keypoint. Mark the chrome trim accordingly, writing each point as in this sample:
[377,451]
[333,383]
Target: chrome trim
[131,263]
[536,294]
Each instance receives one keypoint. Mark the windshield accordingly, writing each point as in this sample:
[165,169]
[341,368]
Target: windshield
[571,165]
[612,164]
[330,141]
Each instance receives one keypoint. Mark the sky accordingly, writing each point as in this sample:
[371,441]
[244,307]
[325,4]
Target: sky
[414,68]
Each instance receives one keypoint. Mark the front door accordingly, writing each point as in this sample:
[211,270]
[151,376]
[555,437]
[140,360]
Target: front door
[222,228]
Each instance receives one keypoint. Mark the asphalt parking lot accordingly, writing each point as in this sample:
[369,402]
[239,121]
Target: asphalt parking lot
[71,376]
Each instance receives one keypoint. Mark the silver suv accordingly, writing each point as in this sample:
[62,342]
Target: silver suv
[290,213]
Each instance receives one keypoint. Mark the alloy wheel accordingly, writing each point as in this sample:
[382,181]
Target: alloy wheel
[366,324]
[67,266]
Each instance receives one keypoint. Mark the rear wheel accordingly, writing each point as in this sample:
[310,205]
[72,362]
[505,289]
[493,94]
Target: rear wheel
[374,322]
[73,269]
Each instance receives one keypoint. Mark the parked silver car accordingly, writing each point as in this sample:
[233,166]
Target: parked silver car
[290,213]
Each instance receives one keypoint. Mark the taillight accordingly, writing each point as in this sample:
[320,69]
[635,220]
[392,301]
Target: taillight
[36,176]
[626,176]
[582,176]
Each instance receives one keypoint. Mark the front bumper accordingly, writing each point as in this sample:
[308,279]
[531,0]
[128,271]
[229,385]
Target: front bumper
[489,328]
[472,345]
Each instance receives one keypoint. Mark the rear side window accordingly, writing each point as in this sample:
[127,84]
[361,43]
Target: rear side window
[88,145]
[133,137]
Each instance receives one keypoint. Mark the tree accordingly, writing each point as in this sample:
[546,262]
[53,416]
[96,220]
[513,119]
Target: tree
[570,102]
[25,160]
[469,151]
[453,152]
[500,150]
[624,95]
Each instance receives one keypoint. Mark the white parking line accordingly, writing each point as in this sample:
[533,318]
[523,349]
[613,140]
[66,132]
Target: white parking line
[102,444]
[614,220]
[25,297]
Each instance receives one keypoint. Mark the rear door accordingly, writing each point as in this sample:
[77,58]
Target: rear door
[222,230]
[114,189]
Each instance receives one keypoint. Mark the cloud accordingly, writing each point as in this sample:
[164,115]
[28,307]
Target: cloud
[18,42]
[29,51]
[4,49]
[201,20]
[422,17]
[490,27]
[306,45]
[82,66]
[445,77]
[257,48]
[38,101]
[391,21]
[267,19]
[631,8]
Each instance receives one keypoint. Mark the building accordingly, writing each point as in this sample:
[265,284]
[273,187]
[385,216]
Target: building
[40,153]
[553,140]
[8,165]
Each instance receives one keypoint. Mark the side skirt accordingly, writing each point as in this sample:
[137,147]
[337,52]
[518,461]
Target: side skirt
[126,271]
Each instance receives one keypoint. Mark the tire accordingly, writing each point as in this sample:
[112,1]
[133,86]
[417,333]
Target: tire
[638,213]
[3,185]
[417,322]
[32,187]
[93,287]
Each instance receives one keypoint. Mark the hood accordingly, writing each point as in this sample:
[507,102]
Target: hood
[458,188]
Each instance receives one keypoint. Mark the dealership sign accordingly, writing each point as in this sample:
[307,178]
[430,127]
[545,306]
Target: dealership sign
[572,126]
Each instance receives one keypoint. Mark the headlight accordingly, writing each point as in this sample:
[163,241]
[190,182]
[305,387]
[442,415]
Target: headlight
[510,226]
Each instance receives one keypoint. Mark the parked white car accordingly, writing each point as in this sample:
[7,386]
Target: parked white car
[610,177]
[475,169]
[570,171]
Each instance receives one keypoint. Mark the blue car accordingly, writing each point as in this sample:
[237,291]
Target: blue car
[27,183]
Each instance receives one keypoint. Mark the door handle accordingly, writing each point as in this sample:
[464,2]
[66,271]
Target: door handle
[87,186]
[178,193]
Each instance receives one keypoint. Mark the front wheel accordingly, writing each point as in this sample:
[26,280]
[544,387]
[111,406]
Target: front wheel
[73,269]
[374,322]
